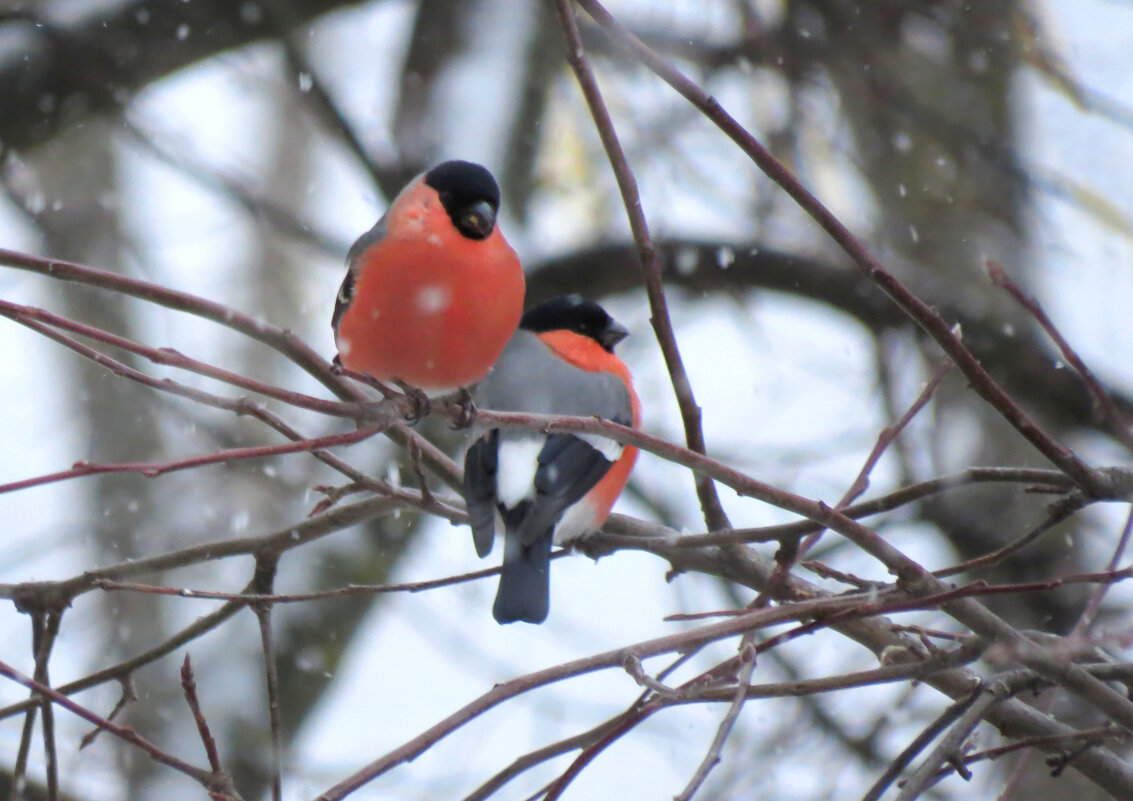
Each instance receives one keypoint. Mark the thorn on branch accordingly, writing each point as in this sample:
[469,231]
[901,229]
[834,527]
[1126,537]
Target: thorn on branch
[827,572]
[633,666]
[1059,762]
[956,760]
[332,496]
[129,695]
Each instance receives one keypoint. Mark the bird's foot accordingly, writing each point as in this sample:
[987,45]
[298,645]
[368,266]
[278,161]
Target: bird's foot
[419,405]
[466,410]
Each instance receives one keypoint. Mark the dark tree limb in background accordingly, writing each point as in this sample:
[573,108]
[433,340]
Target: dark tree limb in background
[98,64]
[1019,358]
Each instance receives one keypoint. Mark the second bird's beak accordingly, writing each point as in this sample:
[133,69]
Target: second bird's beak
[613,334]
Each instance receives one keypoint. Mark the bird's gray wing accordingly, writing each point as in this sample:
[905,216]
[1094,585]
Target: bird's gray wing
[529,377]
[346,290]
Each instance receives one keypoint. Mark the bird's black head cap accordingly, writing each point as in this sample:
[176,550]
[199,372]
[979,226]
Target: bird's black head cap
[573,313]
[469,194]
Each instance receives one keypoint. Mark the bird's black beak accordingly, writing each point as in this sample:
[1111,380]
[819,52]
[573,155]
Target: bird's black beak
[477,220]
[612,334]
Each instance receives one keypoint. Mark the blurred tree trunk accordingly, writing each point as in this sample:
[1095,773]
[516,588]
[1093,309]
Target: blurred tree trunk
[76,173]
[311,642]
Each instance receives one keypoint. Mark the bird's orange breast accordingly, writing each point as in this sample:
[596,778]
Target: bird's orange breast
[431,307]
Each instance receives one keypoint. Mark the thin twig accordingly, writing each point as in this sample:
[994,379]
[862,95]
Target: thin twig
[189,686]
[714,515]
[264,581]
[626,722]
[712,757]
[28,731]
[42,657]
[541,755]
[1081,626]
[154,469]
[351,590]
[1051,480]
[919,743]
[1086,619]
[588,738]
[1089,480]
[505,690]
[241,406]
[1056,513]
[37,319]
[281,340]
[790,551]
[419,472]
[274,337]
[861,746]
[948,749]
[277,541]
[220,786]
[123,670]
[635,669]
[45,628]
[1094,736]
[890,433]
[123,733]
[1119,480]
[1118,426]
[127,697]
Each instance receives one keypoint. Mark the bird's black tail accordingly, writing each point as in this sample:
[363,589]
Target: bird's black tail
[480,466]
[525,580]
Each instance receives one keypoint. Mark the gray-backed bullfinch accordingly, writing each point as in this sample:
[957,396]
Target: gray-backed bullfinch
[544,488]
[433,291]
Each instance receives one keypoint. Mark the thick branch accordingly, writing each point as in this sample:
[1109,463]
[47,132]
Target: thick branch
[97,64]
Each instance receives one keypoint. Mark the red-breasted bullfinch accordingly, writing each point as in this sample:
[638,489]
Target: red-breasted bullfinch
[544,488]
[433,291]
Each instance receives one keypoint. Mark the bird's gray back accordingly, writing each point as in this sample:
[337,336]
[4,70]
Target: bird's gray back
[530,377]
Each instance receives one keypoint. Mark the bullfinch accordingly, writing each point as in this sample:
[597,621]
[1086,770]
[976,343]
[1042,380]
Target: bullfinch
[544,488]
[433,291]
